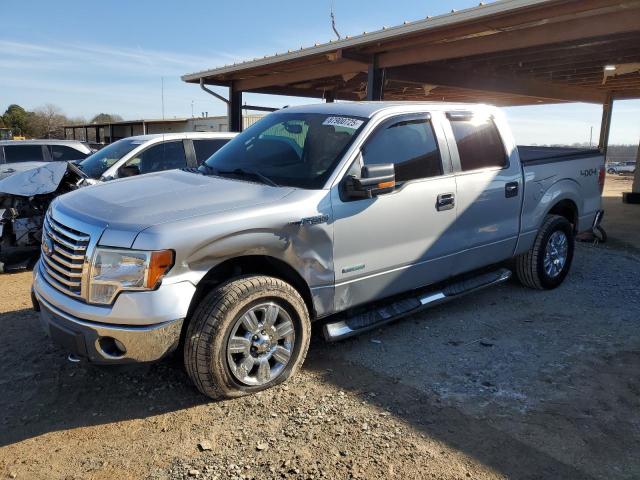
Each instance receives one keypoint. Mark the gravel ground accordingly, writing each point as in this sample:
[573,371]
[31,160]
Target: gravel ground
[506,383]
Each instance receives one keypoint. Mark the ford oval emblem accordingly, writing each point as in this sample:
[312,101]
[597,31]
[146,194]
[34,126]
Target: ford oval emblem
[47,245]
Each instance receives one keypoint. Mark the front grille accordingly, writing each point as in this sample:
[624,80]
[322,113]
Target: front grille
[63,253]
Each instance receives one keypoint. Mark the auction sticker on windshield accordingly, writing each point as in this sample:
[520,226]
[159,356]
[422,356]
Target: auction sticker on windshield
[345,122]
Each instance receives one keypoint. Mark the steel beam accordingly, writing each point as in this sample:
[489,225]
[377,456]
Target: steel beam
[235,110]
[636,176]
[374,81]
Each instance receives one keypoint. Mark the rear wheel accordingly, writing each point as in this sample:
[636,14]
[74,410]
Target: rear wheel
[247,335]
[547,263]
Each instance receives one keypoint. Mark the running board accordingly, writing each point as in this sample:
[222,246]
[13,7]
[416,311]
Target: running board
[383,314]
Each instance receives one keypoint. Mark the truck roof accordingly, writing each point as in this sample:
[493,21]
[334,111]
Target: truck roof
[369,109]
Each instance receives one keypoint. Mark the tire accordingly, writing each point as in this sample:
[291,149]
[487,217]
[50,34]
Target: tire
[216,367]
[611,171]
[530,266]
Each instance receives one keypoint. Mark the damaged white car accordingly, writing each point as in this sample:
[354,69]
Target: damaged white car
[25,196]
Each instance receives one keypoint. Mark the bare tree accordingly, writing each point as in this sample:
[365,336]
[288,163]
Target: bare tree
[48,121]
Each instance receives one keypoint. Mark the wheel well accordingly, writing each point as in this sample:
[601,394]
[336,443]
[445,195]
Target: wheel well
[567,209]
[252,265]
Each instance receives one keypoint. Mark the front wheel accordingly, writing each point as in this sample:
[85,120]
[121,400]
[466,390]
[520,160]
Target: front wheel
[547,263]
[247,335]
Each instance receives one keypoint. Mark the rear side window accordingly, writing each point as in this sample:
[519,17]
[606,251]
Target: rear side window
[65,154]
[479,144]
[205,148]
[162,156]
[410,145]
[23,153]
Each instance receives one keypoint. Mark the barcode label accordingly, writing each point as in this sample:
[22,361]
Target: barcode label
[345,122]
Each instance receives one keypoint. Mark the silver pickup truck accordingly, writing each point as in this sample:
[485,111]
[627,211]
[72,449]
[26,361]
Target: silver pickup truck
[353,213]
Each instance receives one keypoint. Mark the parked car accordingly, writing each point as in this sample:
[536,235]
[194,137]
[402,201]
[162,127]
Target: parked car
[152,153]
[25,197]
[353,213]
[621,167]
[22,155]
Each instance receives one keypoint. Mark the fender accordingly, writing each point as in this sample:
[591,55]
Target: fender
[541,195]
[297,231]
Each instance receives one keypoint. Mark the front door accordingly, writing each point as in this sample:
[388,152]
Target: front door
[400,240]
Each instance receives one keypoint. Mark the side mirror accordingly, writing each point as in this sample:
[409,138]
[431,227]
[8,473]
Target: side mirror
[374,180]
[128,171]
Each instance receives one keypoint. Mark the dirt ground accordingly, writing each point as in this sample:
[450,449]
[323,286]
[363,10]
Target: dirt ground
[507,383]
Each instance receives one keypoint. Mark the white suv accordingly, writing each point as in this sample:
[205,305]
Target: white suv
[152,153]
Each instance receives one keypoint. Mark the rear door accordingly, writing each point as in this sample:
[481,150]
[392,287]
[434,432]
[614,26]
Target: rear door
[489,187]
[400,240]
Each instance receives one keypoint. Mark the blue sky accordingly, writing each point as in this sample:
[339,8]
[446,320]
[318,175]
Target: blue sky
[110,56]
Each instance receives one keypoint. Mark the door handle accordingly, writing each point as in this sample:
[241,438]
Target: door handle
[446,201]
[511,190]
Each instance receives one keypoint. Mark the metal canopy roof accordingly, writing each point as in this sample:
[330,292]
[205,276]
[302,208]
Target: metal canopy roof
[511,52]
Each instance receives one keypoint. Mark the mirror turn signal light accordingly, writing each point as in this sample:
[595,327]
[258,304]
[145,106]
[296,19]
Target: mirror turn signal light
[389,184]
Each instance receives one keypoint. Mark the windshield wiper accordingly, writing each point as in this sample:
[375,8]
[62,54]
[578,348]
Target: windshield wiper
[247,173]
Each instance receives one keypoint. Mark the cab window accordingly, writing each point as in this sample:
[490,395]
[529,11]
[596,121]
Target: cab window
[479,144]
[410,144]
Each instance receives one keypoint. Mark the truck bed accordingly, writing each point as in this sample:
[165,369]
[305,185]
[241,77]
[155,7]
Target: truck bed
[537,154]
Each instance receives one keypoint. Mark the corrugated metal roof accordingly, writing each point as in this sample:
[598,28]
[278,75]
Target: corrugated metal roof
[429,23]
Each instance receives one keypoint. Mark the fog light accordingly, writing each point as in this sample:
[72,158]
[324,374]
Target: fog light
[112,347]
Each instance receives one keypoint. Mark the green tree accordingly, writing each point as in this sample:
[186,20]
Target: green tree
[18,119]
[106,118]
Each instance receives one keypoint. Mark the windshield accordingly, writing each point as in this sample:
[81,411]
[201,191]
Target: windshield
[294,149]
[95,165]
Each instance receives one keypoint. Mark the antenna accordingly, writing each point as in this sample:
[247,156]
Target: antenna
[333,21]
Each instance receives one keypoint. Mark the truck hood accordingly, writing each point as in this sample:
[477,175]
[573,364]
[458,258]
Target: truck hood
[126,207]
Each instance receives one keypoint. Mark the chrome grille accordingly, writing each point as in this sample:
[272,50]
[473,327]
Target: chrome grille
[63,253]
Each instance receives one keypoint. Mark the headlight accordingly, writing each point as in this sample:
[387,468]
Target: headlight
[115,270]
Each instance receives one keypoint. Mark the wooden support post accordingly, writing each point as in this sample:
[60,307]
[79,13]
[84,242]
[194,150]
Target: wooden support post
[374,81]
[235,110]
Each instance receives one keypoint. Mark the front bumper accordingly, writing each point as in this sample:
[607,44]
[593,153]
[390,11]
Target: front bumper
[138,327]
[105,343]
